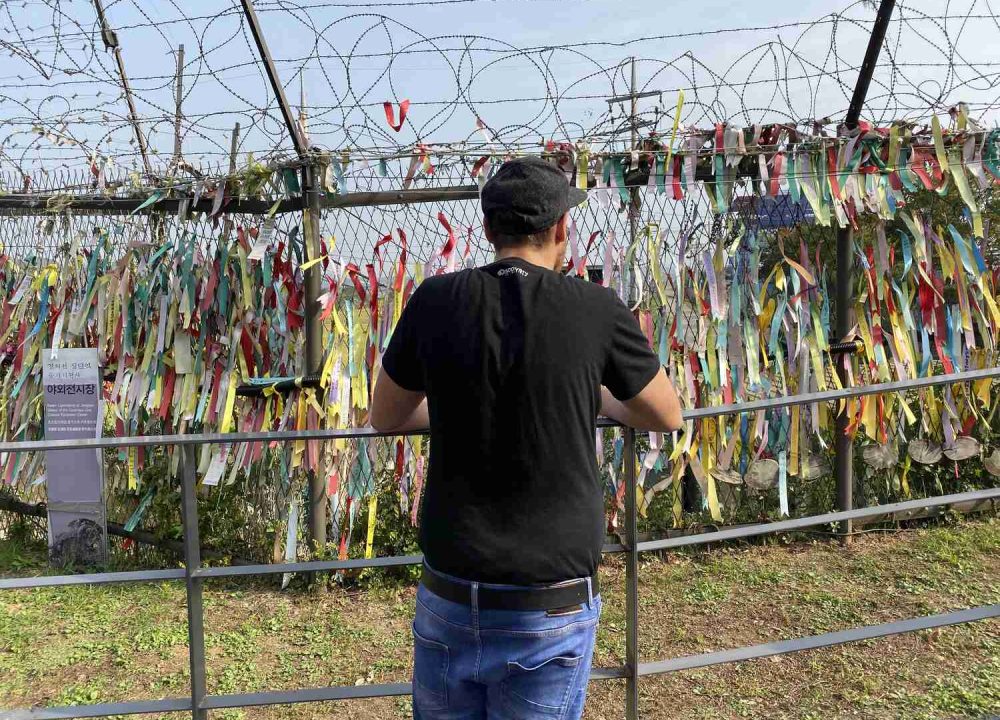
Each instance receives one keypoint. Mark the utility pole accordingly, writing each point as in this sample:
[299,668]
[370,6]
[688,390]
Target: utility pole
[844,446]
[178,100]
[227,226]
[111,43]
[234,143]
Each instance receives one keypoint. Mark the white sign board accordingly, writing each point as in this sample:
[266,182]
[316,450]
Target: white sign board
[74,478]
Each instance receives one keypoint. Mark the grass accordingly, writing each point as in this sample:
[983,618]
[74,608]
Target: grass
[113,643]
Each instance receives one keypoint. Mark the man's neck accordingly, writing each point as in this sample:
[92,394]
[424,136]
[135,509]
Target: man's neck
[536,256]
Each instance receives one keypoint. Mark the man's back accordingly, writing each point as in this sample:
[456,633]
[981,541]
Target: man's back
[509,365]
[512,357]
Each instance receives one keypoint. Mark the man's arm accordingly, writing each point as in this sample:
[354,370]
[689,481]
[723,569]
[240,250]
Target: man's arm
[636,391]
[396,409]
[399,401]
[655,409]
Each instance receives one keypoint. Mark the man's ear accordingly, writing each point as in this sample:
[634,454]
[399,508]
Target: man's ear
[487,230]
[559,246]
[562,231]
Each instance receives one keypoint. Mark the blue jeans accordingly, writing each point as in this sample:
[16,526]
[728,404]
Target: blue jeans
[472,664]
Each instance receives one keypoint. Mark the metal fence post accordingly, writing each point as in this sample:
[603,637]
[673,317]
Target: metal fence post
[631,539]
[631,582]
[314,336]
[844,451]
[192,561]
[844,444]
[311,185]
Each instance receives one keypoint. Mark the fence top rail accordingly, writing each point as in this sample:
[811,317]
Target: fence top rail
[355,433]
[738,533]
[780,526]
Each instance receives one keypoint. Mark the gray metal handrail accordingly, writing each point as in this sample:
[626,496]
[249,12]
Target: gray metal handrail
[209,702]
[715,536]
[194,575]
[367,432]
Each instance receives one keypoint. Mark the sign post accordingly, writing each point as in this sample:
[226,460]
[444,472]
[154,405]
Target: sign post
[74,478]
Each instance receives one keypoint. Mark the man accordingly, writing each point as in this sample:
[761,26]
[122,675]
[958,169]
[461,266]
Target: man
[509,364]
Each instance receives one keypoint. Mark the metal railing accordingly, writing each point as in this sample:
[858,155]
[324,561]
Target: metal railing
[194,575]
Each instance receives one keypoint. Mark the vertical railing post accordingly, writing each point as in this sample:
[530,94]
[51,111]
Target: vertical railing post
[631,581]
[311,215]
[844,446]
[631,520]
[844,443]
[192,561]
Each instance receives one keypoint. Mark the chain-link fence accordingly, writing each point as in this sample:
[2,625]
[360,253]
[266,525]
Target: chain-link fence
[671,252]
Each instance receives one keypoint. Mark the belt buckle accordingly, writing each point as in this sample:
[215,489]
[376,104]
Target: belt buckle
[567,583]
[564,611]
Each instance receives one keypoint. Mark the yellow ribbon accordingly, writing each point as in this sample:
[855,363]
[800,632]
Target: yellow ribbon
[942,157]
[227,415]
[673,133]
[962,183]
[678,506]
[370,539]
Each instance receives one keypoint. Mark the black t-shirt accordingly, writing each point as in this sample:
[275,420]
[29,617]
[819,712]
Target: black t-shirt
[512,357]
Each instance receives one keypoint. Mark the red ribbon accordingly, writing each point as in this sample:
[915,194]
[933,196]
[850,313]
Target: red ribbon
[353,272]
[449,246]
[373,300]
[779,160]
[246,345]
[373,290]
[208,293]
[478,165]
[213,400]
[852,212]
[397,286]
[831,164]
[917,164]
[398,471]
[322,252]
[925,295]
[378,256]
[695,368]
[168,394]
[390,116]
[676,180]
[265,350]
[295,314]
[940,334]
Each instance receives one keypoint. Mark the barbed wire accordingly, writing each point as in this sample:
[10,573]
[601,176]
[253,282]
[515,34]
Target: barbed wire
[68,132]
[341,62]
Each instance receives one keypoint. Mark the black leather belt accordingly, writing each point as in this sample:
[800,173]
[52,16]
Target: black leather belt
[546,597]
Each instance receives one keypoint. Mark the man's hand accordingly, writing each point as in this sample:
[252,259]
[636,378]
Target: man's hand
[395,409]
[655,409]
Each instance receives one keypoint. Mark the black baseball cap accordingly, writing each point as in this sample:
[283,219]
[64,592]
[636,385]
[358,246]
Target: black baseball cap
[528,195]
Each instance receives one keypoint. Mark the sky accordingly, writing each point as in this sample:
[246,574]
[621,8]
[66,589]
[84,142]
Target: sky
[503,62]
